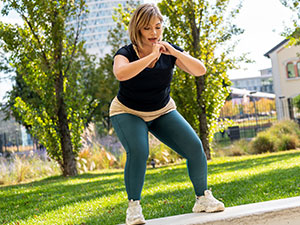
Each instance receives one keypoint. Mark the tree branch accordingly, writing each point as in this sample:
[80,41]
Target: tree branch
[36,37]
[79,27]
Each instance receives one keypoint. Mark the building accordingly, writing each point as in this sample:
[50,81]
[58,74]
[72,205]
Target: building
[98,22]
[286,77]
[262,83]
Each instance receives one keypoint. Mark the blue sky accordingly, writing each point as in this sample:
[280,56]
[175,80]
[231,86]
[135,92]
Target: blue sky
[263,21]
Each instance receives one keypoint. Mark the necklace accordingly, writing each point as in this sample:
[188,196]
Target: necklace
[136,51]
[152,64]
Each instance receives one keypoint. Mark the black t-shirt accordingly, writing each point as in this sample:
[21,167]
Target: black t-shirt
[150,89]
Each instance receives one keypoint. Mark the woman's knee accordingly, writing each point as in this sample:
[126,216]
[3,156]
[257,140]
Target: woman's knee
[194,152]
[138,154]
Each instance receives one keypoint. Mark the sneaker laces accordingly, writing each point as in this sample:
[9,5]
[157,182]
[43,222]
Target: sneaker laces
[134,209]
[207,197]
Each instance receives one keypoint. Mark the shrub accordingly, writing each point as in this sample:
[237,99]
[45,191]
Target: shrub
[161,153]
[283,135]
[296,102]
[285,127]
[286,142]
[264,142]
[17,169]
[95,158]
[122,159]
[238,148]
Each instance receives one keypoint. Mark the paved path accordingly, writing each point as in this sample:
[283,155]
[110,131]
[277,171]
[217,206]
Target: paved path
[276,212]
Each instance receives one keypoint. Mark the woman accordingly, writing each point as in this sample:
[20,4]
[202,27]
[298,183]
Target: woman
[143,104]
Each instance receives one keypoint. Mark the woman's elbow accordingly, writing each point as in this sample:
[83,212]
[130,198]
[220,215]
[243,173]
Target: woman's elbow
[200,72]
[118,75]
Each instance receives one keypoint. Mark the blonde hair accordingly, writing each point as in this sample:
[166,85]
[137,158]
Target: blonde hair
[141,18]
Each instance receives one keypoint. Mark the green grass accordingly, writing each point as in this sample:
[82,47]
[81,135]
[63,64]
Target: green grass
[100,198]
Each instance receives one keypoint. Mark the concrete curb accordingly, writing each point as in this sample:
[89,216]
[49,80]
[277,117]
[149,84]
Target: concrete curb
[276,212]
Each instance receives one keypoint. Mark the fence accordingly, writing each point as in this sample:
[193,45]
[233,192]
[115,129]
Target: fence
[13,141]
[248,117]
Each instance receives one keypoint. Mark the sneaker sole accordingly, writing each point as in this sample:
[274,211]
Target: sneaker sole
[217,209]
[209,210]
[136,222]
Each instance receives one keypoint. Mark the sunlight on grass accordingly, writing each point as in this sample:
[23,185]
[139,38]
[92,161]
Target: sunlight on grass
[77,212]
[99,197]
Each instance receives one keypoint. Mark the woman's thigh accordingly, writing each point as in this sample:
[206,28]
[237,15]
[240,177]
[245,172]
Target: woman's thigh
[173,130]
[133,134]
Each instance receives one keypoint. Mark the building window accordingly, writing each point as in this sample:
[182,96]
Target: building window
[298,69]
[291,73]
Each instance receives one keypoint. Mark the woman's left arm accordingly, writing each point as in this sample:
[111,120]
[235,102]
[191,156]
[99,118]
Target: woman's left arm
[185,61]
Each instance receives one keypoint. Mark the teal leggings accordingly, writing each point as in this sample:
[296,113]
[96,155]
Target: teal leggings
[174,131]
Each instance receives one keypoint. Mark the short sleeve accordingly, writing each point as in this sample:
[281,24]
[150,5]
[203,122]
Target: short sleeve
[177,48]
[125,51]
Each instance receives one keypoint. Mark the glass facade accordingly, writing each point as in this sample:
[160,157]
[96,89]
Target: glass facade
[263,83]
[97,24]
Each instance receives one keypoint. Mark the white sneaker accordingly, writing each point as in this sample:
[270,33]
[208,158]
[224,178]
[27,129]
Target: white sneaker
[208,203]
[134,213]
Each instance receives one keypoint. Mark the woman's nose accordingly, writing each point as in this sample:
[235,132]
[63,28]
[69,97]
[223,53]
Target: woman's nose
[154,31]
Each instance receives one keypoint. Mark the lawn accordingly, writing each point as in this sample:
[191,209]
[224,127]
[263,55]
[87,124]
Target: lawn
[100,198]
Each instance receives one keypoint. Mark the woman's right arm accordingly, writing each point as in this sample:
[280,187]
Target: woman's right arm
[124,70]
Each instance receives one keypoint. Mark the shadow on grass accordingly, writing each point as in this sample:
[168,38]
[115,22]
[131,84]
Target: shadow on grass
[250,163]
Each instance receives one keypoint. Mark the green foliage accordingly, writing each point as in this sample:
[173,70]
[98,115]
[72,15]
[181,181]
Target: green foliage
[287,142]
[283,135]
[285,127]
[50,64]
[43,127]
[296,102]
[201,28]
[99,197]
[293,34]
[237,148]
[103,85]
[264,142]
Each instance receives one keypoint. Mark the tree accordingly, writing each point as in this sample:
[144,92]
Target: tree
[293,33]
[296,101]
[203,28]
[102,83]
[47,55]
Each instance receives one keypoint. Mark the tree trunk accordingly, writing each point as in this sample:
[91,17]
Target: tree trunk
[203,128]
[69,163]
[204,135]
[200,84]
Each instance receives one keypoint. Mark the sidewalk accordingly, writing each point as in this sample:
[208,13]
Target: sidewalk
[276,212]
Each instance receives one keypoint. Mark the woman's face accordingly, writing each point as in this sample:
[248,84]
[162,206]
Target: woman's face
[152,33]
